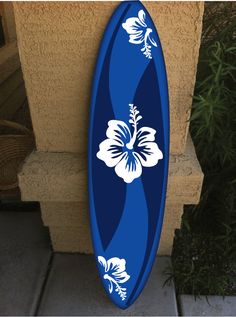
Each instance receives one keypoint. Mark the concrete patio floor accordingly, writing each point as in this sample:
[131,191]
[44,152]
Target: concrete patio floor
[36,281]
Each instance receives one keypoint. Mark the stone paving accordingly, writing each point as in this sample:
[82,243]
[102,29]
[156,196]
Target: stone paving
[34,281]
[24,257]
[212,306]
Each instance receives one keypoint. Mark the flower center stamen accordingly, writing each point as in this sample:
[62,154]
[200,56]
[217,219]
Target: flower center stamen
[134,120]
[130,145]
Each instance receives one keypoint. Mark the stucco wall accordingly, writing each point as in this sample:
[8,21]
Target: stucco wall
[58,44]
[59,182]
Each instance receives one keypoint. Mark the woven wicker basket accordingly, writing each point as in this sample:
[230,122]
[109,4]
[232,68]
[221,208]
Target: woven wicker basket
[13,150]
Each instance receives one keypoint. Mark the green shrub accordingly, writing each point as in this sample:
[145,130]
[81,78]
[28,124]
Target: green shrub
[204,253]
[213,119]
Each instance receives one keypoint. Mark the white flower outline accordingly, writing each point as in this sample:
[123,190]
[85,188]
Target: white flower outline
[140,33]
[117,151]
[115,274]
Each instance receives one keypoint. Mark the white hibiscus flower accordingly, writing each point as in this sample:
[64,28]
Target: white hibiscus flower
[140,33]
[128,153]
[115,274]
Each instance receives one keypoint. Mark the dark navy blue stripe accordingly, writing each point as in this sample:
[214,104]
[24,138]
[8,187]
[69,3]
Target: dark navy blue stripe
[152,178]
[108,214]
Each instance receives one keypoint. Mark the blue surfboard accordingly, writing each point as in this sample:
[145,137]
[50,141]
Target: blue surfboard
[128,152]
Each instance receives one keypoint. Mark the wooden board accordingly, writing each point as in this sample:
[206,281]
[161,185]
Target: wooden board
[128,152]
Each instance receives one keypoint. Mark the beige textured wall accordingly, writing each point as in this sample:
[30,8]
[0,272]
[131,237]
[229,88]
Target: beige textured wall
[59,182]
[58,44]
[70,230]
[62,177]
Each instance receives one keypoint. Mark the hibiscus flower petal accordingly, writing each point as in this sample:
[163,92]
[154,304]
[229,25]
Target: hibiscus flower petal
[137,38]
[110,286]
[110,152]
[132,25]
[129,167]
[152,40]
[149,154]
[116,265]
[121,277]
[145,134]
[118,131]
[103,262]
[142,16]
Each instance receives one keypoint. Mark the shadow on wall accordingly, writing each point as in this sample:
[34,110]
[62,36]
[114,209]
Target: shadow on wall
[16,136]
